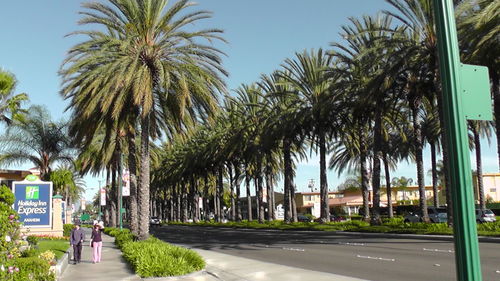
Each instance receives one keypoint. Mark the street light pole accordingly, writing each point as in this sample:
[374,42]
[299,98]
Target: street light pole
[462,85]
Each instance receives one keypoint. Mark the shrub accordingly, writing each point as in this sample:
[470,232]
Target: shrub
[155,258]
[123,237]
[33,240]
[29,253]
[67,229]
[33,269]
[47,256]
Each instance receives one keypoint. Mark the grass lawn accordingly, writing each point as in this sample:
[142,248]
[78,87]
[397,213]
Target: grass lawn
[59,247]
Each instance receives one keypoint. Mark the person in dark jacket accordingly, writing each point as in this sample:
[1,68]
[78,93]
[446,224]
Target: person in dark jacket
[76,240]
[96,243]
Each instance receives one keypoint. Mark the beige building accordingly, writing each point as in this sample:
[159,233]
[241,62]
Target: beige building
[491,187]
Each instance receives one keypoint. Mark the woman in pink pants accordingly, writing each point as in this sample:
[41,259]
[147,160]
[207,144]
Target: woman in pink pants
[96,242]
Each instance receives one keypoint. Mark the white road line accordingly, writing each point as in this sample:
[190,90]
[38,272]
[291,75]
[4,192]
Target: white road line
[375,258]
[351,244]
[294,249]
[437,250]
[498,271]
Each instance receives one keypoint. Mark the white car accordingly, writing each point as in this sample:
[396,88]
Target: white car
[486,216]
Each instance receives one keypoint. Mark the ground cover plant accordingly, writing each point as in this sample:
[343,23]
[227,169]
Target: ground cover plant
[153,257]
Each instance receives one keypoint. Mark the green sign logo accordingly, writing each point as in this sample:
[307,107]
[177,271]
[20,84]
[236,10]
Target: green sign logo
[32,192]
[31,178]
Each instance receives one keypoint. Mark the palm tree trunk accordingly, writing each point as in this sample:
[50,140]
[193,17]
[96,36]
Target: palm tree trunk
[293,203]
[132,166]
[261,196]
[178,204]
[232,183]
[184,203]
[364,176]
[444,143]
[323,182]
[415,105]
[377,145]
[257,198]
[143,198]
[388,185]
[220,193]
[112,199]
[249,197]
[270,192]
[287,160]
[206,198]
[496,105]
[479,166]
[237,175]
[434,174]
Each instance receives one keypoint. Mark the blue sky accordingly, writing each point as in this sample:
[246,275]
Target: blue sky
[261,34]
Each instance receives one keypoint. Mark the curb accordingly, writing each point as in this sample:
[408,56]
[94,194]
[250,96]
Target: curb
[61,265]
[199,273]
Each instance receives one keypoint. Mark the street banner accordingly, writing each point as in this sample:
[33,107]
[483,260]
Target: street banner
[63,213]
[103,197]
[33,201]
[126,183]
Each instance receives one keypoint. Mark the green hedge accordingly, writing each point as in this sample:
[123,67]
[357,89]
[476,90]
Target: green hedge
[155,258]
[67,229]
[33,269]
[394,225]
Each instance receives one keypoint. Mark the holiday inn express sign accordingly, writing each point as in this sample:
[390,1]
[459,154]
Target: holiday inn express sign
[33,201]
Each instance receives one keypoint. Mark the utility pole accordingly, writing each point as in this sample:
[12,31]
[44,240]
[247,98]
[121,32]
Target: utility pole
[462,85]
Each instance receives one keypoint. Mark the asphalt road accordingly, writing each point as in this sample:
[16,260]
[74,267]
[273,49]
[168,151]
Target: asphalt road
[366,257]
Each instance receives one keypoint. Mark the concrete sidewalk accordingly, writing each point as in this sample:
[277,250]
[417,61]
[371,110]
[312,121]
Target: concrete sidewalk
[219,267]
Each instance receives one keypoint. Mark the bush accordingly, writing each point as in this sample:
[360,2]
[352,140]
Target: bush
[67,229]
[123,237]
[33,269]
[155,258]
[29,253]
[33,240]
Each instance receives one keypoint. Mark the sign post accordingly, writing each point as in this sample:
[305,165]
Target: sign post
[462,84]
[33,201]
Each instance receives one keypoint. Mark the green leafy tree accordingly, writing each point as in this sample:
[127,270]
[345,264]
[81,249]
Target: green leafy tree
[10,104]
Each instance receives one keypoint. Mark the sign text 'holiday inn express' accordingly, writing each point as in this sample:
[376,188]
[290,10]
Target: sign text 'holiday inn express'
[33,201]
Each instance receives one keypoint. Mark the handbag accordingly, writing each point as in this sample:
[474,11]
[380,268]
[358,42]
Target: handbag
[91,244]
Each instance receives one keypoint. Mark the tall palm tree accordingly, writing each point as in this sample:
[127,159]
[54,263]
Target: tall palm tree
[37,140]
[10,104]
[148,59]
[307,74]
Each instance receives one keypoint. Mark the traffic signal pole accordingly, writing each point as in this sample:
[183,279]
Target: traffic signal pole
[467,262]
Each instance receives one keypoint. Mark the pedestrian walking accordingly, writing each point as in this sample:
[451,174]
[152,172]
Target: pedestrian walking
[76,240]
[96,243]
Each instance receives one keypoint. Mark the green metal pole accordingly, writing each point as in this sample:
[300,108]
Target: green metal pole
[464,219]
[120,186]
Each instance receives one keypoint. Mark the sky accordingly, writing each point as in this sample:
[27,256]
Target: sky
[261,34]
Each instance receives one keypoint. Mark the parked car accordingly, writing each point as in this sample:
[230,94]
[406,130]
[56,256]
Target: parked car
[302,218]
[436,215]
[486,216]
[154,221]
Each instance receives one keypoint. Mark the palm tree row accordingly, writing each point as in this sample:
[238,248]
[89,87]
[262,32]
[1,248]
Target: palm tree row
[371,100]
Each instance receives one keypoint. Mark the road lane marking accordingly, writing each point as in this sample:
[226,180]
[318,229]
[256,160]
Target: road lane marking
[375,258]
[437,250]
[294,249]
[351,244]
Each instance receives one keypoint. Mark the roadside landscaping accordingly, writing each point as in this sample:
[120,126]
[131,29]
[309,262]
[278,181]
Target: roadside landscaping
[153,257]
[394,225]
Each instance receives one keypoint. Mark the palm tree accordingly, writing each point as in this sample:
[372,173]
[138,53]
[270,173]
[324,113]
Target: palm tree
[147,59]
[67,182]
[10,104]
[307,74]
[38,140]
